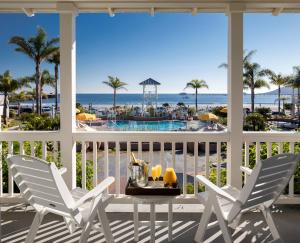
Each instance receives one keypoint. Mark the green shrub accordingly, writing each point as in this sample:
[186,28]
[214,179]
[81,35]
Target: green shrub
[255,122]
[217,111]
[89,172]
[32,122]
[191,111]
[288,106]
[264,111]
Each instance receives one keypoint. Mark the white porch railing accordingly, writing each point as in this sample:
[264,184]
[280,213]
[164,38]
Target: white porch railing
[101,149]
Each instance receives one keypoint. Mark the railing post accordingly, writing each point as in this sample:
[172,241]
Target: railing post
[235,95]
[68,90]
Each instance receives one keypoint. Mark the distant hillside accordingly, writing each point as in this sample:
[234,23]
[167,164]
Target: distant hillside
[284,91]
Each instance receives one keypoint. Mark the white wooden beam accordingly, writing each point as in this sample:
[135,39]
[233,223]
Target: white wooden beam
[50,6]
[68,94]
[277,11]
[235,97]
[29,12]
[152,12]
[67,7]
[194,11]
[111,12]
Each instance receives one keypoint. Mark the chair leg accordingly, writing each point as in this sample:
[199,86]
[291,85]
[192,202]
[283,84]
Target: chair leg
[270,221]
[204,220]
[105,224]
[88,225]
[222,222]
[38,218]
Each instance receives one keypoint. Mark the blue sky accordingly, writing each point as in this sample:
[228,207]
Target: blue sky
[171,48]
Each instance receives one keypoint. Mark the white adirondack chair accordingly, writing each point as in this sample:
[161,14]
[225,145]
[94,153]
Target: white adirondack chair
[42,185]
[263,187]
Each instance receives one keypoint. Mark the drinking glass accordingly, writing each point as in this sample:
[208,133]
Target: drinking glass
[154,172]
[158,171]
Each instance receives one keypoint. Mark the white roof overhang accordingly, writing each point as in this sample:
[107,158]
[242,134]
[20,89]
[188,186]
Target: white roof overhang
[111,7]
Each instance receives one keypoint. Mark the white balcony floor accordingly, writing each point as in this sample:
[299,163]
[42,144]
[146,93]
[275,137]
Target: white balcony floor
[15,224]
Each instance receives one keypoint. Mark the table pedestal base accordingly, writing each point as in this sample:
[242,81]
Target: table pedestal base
[152,222]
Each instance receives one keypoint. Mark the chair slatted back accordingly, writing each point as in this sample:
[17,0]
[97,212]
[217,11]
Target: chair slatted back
[41,183]
[266,182]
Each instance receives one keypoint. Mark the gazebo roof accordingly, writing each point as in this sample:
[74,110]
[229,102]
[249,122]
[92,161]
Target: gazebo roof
[149,81]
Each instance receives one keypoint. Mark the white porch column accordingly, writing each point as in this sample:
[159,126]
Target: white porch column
[68,92]
[235,96]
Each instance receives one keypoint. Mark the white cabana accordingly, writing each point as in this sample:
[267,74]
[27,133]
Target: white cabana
[149,95]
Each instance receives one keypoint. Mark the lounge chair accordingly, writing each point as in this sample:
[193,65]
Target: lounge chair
[264,185]
[42,185]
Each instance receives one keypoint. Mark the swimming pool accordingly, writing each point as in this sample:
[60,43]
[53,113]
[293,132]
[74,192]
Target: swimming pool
[147,125]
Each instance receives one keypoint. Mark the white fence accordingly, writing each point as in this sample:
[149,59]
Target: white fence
[109,154]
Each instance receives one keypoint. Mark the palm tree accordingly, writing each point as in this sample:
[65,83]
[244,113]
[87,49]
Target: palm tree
[290,84]
[252,74]
[246,59]
[295,84]
[196,84]
[116,84]
[55,59]
[7,86]
[279,80]
[46,79]
[38,49]
[253,80]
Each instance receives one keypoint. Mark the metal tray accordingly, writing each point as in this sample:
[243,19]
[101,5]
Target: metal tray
[153,188]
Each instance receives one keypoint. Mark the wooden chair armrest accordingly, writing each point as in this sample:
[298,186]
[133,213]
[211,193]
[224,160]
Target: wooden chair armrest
[219,191]
[62,170]
[247,170]
[97,191]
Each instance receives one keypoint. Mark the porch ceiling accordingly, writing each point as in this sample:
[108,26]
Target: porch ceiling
[151,6]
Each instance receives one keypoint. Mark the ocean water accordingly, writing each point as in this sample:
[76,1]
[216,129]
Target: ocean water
[172,99]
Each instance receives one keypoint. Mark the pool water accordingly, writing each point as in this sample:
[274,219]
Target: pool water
[147,125]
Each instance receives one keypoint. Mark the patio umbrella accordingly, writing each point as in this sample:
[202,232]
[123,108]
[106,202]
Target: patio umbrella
[86,117]
[224,110]
[208,117]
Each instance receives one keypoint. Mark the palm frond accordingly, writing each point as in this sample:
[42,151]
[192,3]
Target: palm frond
[22,45]
[260,83]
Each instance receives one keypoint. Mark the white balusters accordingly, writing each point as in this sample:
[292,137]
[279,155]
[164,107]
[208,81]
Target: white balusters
[55,150]
[291,183]
[207,159]
[21,148]
[269,149]
[118,181]
[173,154]
[83,164]
[195,166]
[10,177]
[218,163]
[184,184]
[140,148]
[280,148]
[95,164]
[150,151]
[44,150]
[162,153]
[32,148]
[246,158]
[106,159]
[257,152]
[128,158]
